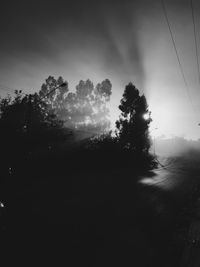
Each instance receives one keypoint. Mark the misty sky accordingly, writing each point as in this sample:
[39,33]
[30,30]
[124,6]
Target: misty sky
[120,40]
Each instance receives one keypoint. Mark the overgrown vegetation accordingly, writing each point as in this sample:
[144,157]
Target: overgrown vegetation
[81,191]
[54,117]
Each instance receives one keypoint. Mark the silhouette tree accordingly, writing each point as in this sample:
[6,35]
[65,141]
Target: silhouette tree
[132,126]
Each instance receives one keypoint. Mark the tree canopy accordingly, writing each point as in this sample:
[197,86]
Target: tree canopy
[54,95]
[86,108]
[132,126]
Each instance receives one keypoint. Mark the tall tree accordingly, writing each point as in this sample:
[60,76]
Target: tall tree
[132,126]
[86,108]
[79,104]
[54,95]
[102,94]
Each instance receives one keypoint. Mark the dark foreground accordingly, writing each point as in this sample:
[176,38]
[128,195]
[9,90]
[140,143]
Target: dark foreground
[62,214]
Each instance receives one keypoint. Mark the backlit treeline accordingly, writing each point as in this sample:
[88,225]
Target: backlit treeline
[85,107]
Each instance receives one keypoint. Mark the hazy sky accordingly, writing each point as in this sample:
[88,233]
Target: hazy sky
[120,40]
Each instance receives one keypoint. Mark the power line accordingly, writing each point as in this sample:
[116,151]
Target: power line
[195,39]
[177,55]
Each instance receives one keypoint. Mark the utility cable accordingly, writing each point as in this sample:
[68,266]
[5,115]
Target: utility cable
[178,58]
[195,39]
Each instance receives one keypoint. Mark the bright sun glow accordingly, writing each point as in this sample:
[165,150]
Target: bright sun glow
[163,122]
[146,116]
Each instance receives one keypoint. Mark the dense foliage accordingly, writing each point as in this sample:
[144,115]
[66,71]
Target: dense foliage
[133,124]
[27,122]
[53,114]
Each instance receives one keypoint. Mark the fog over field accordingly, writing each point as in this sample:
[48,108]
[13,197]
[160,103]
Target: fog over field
[177,146]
